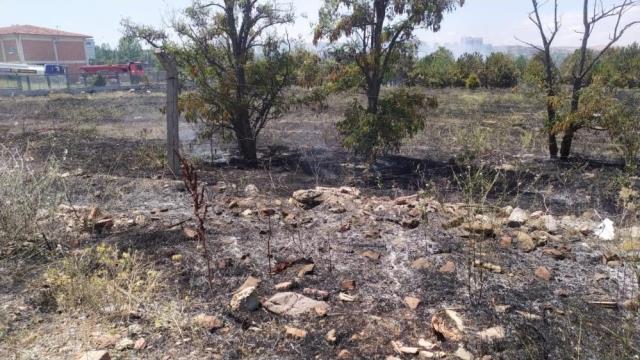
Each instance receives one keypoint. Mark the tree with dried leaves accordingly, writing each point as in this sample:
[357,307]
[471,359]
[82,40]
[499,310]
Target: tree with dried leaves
[593,13]
[550,68]
[239,65]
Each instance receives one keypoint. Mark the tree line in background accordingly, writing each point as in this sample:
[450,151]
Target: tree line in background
[127,50]
[242,69]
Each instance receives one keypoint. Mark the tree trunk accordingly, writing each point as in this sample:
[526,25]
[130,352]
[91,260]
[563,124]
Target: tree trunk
[565,146]
[567,138]
[245,137]
[247,148]
[553,146]
[373,95]
[551,115]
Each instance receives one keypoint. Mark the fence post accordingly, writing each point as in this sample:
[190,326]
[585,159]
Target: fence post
[28,82]
[173,89]
[48,81]
[67,81]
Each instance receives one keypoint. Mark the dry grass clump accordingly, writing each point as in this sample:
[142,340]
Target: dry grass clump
[103,279]
[27,196]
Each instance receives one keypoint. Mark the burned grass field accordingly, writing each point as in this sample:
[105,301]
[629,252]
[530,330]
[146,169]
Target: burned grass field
[468,243]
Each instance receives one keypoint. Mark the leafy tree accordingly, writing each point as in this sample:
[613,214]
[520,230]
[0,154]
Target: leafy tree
[473,82]
[621,67]
[105,54]
[436,70]
[129,49]
[468,64]
[501,71]
[239,69]
[373,32]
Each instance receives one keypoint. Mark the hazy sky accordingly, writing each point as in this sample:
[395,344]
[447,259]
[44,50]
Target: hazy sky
[498,21]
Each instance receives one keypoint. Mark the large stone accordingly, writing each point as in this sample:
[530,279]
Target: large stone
[307,199]
[245,297]
[525,242]
[292,304]
[448,324]
[517,218]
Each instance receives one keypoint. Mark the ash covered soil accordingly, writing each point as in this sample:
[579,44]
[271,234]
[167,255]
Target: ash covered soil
[310,261]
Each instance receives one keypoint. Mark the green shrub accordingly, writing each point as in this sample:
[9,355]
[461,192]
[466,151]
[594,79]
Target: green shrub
[400,115]
[472,82]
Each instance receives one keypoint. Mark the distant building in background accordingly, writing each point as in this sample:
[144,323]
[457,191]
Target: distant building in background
[469,44]
[35,45]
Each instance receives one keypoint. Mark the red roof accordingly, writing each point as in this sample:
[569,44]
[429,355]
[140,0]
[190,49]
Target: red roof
[36,30]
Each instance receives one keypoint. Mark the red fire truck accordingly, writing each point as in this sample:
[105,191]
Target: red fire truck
[134,69]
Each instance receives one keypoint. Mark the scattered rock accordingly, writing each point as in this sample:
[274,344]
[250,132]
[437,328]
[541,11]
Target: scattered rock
[605,230]
[95,355]
[209,322]
[517,218]
[245,298]
[251,190]
[550,224]
[190,233]
[399,348]
[125,344]
[421,263]
[412,302]
[463,353]
[287,285]
[543,273]
[305,270]
[448,324]
[344,354]
[425,344]
[140,344]
[492,334]
[295,332]
[554,253]
[525,242]
[488,266]
[316,293]
[448,268]
[292,304]
[480,227]
[346,298]
[348,284]
[371,255]
[432,354]
[307,199]
[330,337]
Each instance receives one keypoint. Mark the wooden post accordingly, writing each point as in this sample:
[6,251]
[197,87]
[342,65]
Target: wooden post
[173,90]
